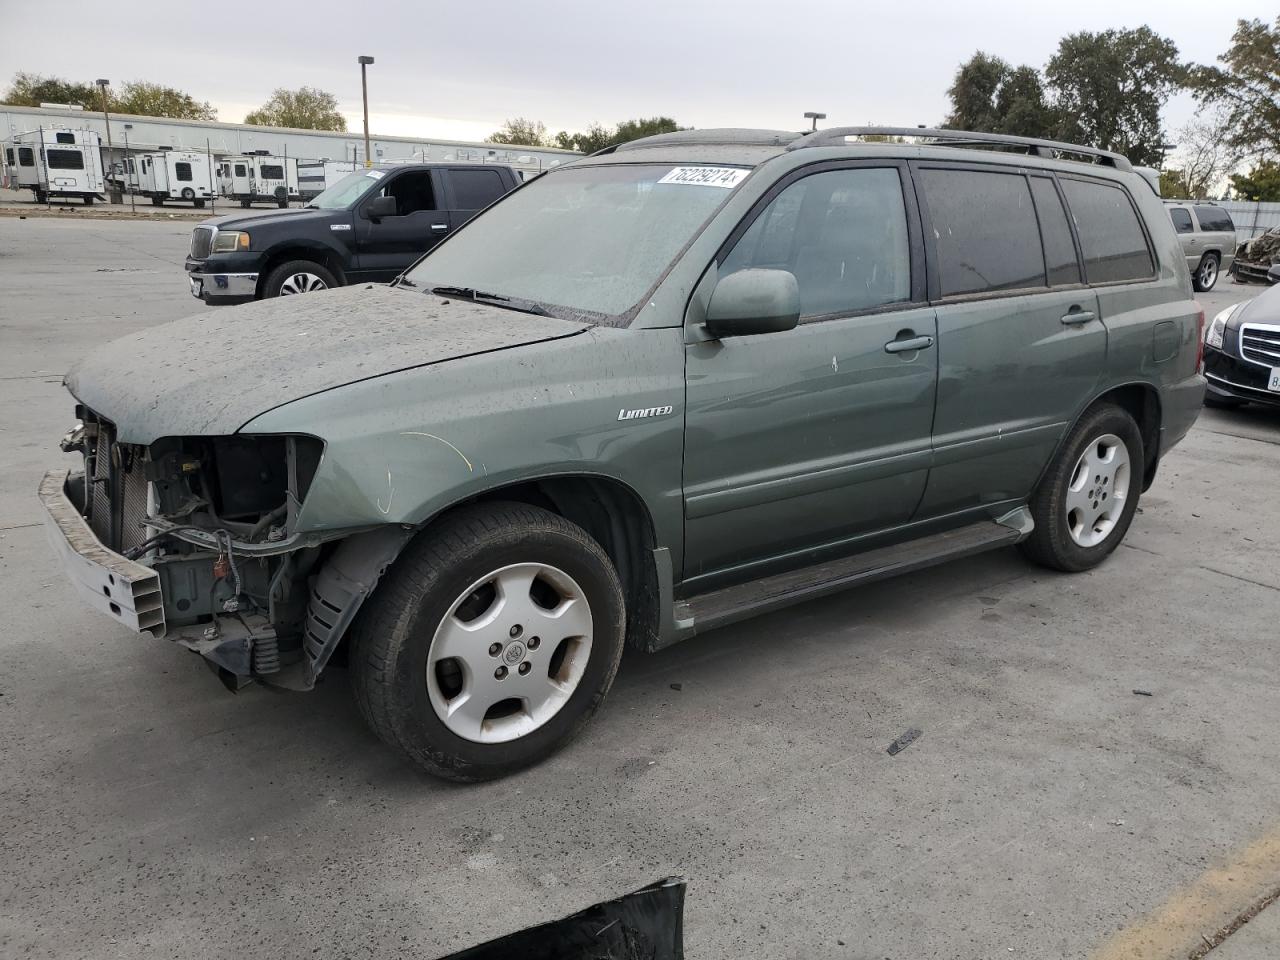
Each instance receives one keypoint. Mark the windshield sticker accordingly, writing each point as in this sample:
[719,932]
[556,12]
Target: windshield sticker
[375,174]
[727,177]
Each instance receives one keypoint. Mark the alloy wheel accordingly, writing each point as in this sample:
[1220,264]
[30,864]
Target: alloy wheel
[1098,490]
[301,283]
[509,653]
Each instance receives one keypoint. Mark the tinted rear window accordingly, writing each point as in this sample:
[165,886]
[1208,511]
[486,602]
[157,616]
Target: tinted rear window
[984,231]
[475,189]
[1181,218]
[1214,218]
[65,159]
[1055,231]
[1115,248]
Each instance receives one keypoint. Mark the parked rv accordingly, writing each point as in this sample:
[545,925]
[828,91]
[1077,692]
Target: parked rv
[259,178]
[175,175]
[317,176]
[57,164]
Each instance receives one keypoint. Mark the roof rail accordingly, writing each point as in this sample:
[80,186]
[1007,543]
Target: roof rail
[963,138]
[726,136]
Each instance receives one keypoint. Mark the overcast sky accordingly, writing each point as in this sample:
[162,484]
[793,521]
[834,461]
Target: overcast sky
[457,69]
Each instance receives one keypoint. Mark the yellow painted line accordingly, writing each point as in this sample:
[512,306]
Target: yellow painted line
[1180,926]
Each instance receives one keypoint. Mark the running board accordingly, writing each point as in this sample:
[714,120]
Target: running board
[731,604]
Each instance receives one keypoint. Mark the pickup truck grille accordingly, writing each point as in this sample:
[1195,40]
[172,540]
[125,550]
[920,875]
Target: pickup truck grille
[116,496]
[202,242]
[1260,343]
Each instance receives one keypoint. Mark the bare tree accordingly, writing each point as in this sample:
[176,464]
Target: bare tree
[1203,157]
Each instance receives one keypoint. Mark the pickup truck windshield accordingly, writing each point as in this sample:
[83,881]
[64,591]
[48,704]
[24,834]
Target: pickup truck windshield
[589,240]
[346,191]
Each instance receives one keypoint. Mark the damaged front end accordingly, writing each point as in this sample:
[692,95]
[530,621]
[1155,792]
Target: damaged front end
[1256,259]
[195,539]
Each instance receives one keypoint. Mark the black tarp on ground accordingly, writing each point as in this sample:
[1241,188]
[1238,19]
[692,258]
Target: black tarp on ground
[645,925]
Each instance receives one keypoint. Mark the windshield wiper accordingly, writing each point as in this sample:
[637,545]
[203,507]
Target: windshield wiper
[479,296]
[403,281]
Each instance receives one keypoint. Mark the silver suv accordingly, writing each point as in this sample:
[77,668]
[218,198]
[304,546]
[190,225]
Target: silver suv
[1208,239]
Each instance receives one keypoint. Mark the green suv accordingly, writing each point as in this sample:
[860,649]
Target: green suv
[666,387]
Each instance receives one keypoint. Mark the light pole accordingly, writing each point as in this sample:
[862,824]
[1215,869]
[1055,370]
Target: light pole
[815,117]
[364,92]
[113,193]
[124,167]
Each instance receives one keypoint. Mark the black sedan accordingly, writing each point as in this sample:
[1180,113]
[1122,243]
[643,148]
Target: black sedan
[1242,353]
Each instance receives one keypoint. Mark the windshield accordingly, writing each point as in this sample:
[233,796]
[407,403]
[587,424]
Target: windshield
[589,240]
[346,191]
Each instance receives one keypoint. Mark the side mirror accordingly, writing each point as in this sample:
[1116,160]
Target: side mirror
[1273,275]
[754,301]
[380,207]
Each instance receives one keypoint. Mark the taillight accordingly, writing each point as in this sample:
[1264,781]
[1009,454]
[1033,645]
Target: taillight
[1200,340]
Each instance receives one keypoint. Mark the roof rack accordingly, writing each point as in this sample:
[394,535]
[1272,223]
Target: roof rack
[963,138]
[726,136]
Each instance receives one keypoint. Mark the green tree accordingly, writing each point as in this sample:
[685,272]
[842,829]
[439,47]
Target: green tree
[522,132]
[1247,87]
[155,100]
[1109,88]
[1173,185]
[1260,183]
[32,89]
[304,109]
[596,137]
[989,96]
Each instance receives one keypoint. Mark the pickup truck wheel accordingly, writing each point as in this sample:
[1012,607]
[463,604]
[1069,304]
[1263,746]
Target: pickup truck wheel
[297,276]
[1206,275]
[491,641]
[1087,499]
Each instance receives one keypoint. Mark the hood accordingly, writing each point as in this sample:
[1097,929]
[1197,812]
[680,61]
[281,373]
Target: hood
[238,221]
[212,373]
[1264,308]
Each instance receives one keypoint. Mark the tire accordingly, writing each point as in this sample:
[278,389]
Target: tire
[157,202]
[402,683]
[298,276]
[41,196]
[282,204]
[245,204]
[199,204]
[188,193]
[88,201]
[1074,531]
[1206,275]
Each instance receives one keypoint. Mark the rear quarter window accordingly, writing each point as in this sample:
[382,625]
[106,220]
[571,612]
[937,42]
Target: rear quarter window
[1181,218]
[1214,218]
[1111,236]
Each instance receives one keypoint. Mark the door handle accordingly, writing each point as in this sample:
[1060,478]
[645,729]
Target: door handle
[1074,318]
[439,227]
[908,345]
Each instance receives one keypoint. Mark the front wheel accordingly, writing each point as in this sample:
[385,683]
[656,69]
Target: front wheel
[297,276]
[490,643]
[1206,275]
[1088,496]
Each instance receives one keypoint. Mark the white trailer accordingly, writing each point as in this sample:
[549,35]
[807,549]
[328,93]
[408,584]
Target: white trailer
[175,175]
[317,176]
[57,164]
[258,178]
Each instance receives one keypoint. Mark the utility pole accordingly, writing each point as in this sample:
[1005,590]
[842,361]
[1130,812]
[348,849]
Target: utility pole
[112,192]
[364,91]
[124,167]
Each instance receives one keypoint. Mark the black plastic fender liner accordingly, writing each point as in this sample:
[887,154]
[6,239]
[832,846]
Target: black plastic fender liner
[647,924]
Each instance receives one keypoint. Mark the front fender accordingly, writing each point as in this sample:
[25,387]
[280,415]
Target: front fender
[401,448]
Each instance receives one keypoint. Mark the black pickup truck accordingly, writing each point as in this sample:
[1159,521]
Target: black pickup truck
[369,226]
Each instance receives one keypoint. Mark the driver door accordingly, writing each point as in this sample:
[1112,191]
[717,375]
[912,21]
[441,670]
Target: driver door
[385,247]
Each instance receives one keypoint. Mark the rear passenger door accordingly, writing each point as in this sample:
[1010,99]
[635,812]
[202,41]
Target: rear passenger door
[1020,343]
[1186,231]
[471,189]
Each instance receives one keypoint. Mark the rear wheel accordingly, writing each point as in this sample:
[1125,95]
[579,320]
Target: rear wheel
[297,276]
[199,204]
[88,201]
[490,643]
[1086,501]
[245,204]
[1206,275]
[188,193]
[157,202]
